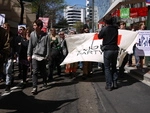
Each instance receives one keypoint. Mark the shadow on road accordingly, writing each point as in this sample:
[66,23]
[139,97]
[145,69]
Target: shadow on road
[18,102]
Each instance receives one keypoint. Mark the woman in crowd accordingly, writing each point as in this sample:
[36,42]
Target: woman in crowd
[139,59]
[55,54]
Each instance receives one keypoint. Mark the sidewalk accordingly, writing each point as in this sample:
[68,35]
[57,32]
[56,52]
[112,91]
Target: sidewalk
[142,75]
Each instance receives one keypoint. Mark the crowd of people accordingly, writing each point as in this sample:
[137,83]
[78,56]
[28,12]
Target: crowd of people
[33,50]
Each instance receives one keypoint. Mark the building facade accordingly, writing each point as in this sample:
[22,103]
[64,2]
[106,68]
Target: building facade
[12,10]
[116,7]
[74,14]
[102,7]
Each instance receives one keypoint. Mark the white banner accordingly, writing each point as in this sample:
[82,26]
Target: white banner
[143,43]
[2,19]
[86,47]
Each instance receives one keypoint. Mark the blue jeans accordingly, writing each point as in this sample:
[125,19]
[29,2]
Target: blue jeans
[8,70]
[110,61]
[80,64]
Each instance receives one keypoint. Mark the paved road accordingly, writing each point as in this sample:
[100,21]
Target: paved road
[75,95]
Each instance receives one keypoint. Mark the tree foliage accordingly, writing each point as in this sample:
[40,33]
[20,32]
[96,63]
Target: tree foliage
[48,8]
[22,11]
[62,23]
[45,8]
[78,26]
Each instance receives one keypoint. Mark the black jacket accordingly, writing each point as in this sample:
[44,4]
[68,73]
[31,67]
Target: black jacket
[23,49]
[109,34]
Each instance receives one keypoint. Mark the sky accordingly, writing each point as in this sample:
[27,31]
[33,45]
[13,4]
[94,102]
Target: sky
[75,2]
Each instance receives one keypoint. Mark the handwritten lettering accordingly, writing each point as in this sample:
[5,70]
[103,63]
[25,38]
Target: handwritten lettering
[90,50]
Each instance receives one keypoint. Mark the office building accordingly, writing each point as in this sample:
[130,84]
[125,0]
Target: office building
[74,14]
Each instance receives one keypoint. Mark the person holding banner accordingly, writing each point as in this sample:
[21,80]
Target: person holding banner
[87,66]
[126,58]
[139,59]
[72,67]
[109,34]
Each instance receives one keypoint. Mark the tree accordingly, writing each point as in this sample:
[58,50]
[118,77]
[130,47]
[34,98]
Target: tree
[49,8]
[62,23]
[78,26]
[22,11]
[44,8]
[21,2]
[53,10]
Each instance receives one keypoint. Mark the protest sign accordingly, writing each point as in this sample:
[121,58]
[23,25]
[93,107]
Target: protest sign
[87,46]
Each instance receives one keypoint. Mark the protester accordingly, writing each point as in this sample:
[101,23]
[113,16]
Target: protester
[87,66]
[109,33]
[122,26]
[128,57]
[18,47]
[55,54]
[139,59]
[4,50]
[135,28]
[27,35]
[72,67]
[38,52]
[63,45]
[8,67]
[24,63]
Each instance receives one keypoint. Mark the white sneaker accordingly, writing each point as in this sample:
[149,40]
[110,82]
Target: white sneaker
[34,91]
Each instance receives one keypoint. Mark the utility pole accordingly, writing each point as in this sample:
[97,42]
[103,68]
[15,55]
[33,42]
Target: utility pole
[85,15]
[92,15]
